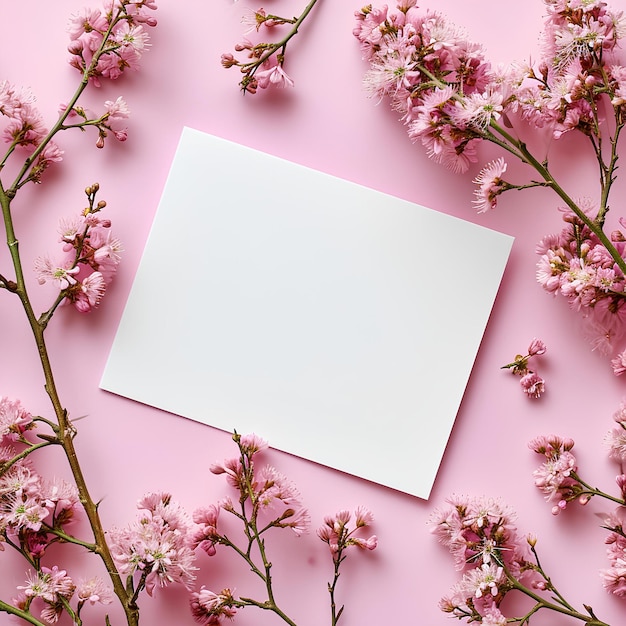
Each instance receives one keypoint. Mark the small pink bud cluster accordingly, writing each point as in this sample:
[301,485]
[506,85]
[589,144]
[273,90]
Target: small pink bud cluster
[337,533]
[270,493]
[92,255]
[556,478]
[531,383]
[106,42]
[264,65]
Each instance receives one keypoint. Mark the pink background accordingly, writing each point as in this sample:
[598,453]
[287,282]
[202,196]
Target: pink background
[327,123]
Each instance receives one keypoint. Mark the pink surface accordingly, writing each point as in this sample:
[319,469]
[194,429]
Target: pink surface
[326,123]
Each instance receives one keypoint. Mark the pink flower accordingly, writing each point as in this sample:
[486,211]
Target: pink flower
[556,478]
[36,543]
[614,578]
[157,544]
[93,288]
[62,274]
[490,185]
[207,607]
[615,440]
[277,496]
[485,580]
[50,154]
[20,479]
[477,110]
[61,498]
[536,347]
[533,385]
[93,590]
[14,419]
[552,445]
[114,120]
[132,36]
[272,76]
[86,21]
[25,127]
[364,517]
[205,535]
[127,39]
[339,536]
[480,530]
[619,363]
[251,444]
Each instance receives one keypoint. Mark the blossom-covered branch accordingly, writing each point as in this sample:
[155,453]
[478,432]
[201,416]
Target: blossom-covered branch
[266,59]
[265,500]
[559,479]
[451,98]
[34,512]
[482,537]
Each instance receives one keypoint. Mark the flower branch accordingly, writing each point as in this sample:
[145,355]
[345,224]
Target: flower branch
[25,131]
[452,99]
[266,500]
[482,537]
[266,66]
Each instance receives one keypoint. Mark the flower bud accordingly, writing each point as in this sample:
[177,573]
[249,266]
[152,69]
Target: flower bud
[228,60]
[537,347]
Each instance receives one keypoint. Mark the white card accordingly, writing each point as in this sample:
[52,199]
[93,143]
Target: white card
[339,323]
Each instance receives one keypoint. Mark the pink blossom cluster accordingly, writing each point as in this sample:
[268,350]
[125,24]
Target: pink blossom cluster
[91,257]
[30,507]
[556,478]
[337,533]
[480,534]
[531,383]
[24,127]
[34,513]
[157,546]
[104,43]
[451,98]
[53,588]
[439,82]
[449,95]
[576,265]
[271,494]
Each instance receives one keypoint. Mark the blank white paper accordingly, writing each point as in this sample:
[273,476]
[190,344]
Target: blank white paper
[339,323]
